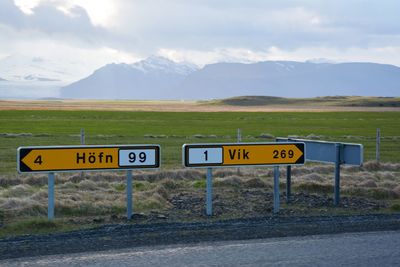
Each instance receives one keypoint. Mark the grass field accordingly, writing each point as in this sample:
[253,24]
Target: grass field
[234,104]
[179,194]
[338,101]
[172,129]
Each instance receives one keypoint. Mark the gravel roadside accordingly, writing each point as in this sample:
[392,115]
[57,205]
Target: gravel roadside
[118,236]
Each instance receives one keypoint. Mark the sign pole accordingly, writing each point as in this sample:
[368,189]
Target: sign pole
[82,143]
[239,139]
[276,189]
[337,175]
[288,183]
[378,144]
[242,154]
[82,136]
[129,194]
[209,192]
[50,196]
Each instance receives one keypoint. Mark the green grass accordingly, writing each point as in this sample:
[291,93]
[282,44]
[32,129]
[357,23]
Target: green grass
[351,101]
[199,184]
[120,187]
[395,207]
[312,187]
[31,226]
[172,129]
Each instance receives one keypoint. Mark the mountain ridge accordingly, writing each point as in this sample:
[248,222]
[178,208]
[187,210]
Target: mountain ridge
[294,79]
[160,78]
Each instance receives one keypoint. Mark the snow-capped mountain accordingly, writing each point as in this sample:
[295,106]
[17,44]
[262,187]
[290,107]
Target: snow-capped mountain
[36,77]
[159,78]
[153,78]
[164,65]
[291,79]
[20,68]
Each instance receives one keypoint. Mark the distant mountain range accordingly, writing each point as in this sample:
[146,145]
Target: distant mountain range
[153,78]
[160,78]
[35,77]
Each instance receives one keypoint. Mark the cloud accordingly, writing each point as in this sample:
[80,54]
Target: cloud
[201,31]
[384,55]
[66,41]
[10,14]
[47,19]
[147,26]
[205,25]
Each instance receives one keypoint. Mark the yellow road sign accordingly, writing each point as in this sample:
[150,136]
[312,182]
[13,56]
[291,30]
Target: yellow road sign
[208,155]
[78,158]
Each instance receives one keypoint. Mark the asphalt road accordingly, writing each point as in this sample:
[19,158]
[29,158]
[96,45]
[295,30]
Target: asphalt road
[349,249]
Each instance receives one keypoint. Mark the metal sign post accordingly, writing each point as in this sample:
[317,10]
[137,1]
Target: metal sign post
[209,192]
[129,204]
[328,152]
[51,159]
[276,189]
[239,139]
[82,143]
[288,183]
[50,196]
[378,145]
[242,154]
[82,136]
[337,175]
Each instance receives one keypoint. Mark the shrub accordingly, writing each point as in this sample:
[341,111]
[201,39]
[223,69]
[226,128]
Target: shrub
[255,183]
[234,181]
[372,166]
[88,185]
[315,187]
[369,183]
[266,136]
[395,207]
[169,184]
[199,184]
[120,187]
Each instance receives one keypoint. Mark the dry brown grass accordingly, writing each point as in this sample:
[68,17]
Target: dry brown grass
[175,106]
[230,181]
[104,193]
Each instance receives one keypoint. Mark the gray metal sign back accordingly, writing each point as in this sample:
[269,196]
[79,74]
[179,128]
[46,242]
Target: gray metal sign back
[321,151]
[332,152]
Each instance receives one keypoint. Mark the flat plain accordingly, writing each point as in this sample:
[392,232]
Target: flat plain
[37,123]
[174,193]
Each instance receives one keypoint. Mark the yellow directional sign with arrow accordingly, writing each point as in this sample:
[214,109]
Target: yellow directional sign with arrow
[262,154]
[78,158]
[209,155]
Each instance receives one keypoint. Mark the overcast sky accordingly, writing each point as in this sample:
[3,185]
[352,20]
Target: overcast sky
[96,32]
